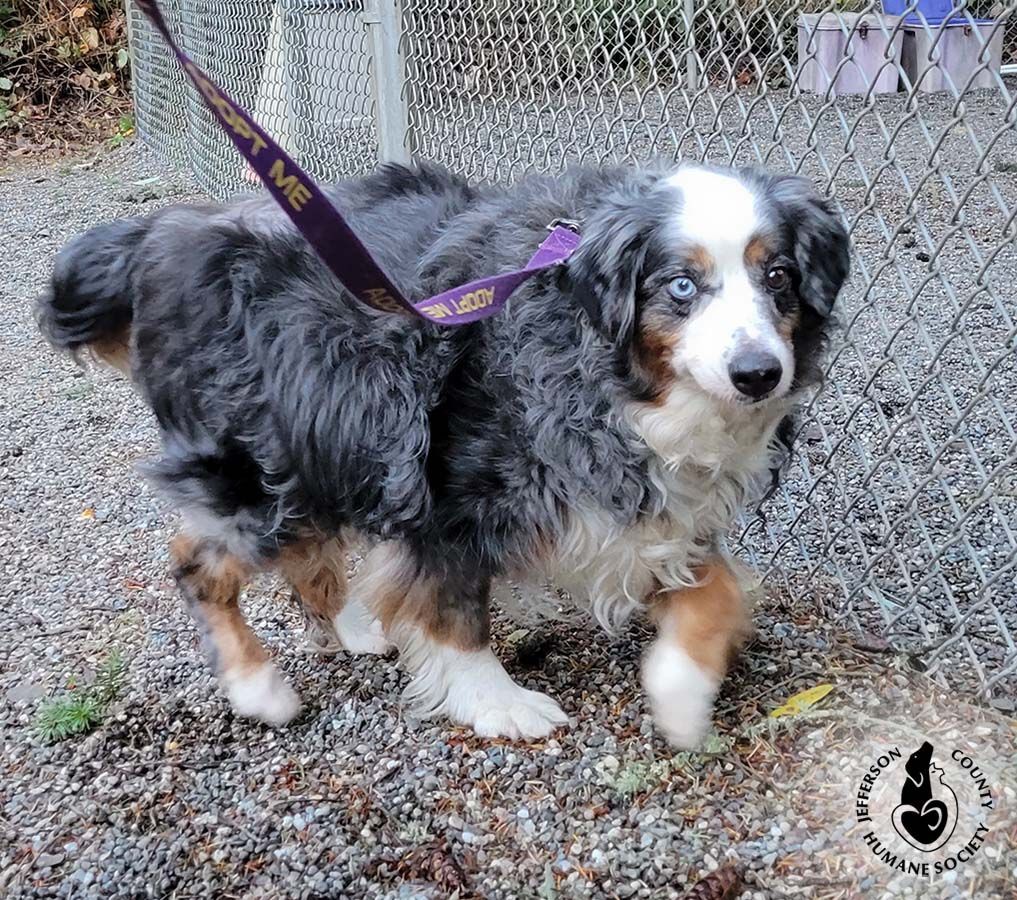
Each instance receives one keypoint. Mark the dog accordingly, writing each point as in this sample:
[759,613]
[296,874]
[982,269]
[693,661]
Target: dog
[600,433]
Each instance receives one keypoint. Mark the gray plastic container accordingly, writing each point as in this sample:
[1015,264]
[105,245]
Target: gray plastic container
[867,42]
[960,50]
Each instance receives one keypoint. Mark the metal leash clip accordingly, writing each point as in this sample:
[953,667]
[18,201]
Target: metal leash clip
[570,224]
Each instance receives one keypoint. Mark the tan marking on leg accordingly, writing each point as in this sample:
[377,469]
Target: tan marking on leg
[699,629]
[395,591]
[421,606]
[316,570]
[385,577]
[210,582]
[442,630]
[238,649]
[710,621]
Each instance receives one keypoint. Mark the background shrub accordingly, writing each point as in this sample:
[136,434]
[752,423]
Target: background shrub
[61,60]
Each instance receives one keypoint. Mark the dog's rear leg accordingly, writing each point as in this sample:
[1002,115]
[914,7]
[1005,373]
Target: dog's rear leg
[442,629]
[317,572]
[700,628]
[210,581]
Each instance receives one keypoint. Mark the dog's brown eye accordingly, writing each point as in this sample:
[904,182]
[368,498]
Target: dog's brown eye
[778,278]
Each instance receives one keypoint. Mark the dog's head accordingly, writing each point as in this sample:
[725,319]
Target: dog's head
[719,279]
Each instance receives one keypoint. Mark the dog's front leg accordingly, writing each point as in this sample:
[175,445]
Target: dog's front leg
[699,629]
[441,626]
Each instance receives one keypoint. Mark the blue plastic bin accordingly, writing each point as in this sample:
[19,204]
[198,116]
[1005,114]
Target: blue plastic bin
[935,11]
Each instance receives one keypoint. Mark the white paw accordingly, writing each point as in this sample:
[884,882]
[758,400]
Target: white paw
[681,693]
[262,694]
[473,689]
[519,714]
[359,632]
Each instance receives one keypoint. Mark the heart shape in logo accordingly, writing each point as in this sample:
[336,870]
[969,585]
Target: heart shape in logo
[926,828]
[924,825]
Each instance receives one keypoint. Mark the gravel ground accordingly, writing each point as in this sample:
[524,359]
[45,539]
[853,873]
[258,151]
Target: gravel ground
[171,796]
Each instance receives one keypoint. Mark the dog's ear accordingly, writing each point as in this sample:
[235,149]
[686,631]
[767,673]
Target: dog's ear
[604,272]
[822,248]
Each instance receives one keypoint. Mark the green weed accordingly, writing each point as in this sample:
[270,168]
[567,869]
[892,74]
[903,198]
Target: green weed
[639,777]
[124,131]
[79,389]
[78,713]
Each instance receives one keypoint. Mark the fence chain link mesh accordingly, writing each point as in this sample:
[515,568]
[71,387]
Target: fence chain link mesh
[898,511]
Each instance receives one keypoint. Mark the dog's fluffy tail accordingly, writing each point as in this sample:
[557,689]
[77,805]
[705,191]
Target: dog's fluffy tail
[89,302]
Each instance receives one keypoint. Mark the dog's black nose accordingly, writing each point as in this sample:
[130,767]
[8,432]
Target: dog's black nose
[755,373]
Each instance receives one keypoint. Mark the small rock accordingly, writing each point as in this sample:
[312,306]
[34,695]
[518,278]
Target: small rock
[25,690]
[609,764]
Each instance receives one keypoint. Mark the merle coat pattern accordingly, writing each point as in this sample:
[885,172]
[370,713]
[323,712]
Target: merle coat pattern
[291,415]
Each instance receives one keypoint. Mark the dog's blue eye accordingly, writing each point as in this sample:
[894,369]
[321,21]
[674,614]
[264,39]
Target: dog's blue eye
[683,288]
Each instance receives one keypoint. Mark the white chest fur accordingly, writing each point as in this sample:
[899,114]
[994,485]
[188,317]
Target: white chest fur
[705,457]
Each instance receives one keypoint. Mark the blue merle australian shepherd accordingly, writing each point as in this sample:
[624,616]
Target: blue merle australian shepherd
[598,435]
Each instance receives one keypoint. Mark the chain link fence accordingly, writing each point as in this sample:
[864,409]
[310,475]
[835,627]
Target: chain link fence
[898,511]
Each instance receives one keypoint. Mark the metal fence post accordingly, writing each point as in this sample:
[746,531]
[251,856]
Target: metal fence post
[384,23]
[691,63]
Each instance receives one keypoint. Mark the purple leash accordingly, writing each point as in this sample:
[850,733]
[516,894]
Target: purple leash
[330,234]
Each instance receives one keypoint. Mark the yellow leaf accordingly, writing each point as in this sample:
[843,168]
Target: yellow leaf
[88,513]
[802,701]
[90,37]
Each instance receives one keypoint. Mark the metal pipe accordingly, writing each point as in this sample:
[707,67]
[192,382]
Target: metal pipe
[384,24]
[691,63]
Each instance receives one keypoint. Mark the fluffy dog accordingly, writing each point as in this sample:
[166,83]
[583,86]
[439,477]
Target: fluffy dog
[599,434]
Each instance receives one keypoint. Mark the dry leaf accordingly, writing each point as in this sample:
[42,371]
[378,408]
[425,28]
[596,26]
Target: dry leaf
[80,11]
[724,884]
[90,39]
[802,701]
[431,862]
[88,513]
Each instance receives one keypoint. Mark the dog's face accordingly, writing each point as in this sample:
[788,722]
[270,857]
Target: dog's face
[719,279]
